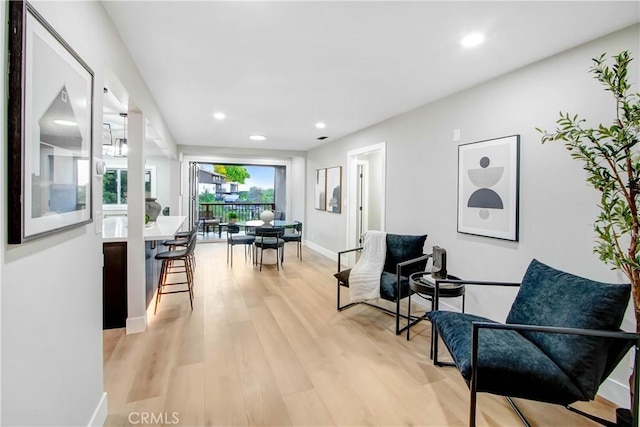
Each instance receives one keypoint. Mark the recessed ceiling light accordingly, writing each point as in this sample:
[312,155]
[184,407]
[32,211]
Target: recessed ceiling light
[472,40]
[320,125]
[257,138]
[219,116]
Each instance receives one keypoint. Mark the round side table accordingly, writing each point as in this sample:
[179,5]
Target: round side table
[422,284]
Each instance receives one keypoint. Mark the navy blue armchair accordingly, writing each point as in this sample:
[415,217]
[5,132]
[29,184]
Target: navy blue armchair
[404,256]
[560,341]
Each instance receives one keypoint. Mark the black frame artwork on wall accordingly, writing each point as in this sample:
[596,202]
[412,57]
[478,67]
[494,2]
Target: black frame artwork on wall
[488,188]
[50,130]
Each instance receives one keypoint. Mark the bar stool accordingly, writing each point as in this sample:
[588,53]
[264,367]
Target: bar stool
[182,238]
[168,259]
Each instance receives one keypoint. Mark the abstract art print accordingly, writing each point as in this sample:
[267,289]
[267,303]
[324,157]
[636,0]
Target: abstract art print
[49,131]
[320,202]
[488,187]
[334,189]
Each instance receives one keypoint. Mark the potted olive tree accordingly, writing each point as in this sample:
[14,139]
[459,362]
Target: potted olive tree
[611,157]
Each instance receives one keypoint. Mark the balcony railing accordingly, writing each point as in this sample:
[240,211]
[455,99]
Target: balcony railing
[245,211]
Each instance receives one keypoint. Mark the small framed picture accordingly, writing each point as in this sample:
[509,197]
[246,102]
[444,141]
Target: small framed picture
[334,189]
[320,201]
[488,187]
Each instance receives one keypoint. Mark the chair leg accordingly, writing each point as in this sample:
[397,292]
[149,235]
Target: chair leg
[163,269]
[409,314]
[261,254]
[398,310]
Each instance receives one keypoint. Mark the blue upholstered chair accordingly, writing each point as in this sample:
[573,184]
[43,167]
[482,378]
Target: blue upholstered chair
[294,235]
[404,256]
[269,238]
[561,340]
[234,238]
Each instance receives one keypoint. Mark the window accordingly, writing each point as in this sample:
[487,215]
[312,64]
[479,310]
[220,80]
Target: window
[114,188]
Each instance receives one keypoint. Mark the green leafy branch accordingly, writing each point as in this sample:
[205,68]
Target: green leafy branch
[612,162]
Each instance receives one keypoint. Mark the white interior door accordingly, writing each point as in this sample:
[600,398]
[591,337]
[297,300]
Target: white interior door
[366,197]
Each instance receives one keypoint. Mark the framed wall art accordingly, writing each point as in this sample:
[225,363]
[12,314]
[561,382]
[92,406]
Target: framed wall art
[488,187]
[319,201]
[50,125]
[334,189]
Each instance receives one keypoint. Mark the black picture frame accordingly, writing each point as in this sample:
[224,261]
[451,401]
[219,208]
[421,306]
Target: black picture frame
[489,188]
[50,130]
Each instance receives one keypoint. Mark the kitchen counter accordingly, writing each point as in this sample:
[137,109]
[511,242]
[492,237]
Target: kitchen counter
[114,229]
[115,272]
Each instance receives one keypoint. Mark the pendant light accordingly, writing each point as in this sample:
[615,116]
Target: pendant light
[121,143]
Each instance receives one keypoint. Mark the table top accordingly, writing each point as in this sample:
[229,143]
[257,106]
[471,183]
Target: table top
[114,229]
[428,288]
[260,223]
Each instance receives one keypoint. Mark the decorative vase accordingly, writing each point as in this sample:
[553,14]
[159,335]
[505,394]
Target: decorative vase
[152,208]
[267,217]
[232,220]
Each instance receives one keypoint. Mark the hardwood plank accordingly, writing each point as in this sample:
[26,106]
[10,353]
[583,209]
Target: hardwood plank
[263,401]
[307,409]
[269,348]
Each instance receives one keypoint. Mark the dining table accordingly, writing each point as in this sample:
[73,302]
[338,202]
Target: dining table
[255,223]
[259,223]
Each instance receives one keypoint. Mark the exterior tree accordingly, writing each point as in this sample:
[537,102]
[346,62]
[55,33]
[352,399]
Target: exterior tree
[611,158]
[232,173]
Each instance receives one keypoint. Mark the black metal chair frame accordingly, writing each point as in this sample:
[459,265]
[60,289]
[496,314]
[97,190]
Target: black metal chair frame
[269,232]
[231,242]
[187,256]
[297,237]
[476,326]
[397,313]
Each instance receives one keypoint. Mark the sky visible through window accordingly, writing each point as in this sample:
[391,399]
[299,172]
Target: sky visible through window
[261,176]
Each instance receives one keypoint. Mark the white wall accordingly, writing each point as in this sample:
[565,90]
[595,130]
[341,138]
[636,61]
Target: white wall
[557,208]
[51,289]
[165,180]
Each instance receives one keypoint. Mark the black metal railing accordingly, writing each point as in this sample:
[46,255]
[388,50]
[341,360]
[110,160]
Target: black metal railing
[244,211]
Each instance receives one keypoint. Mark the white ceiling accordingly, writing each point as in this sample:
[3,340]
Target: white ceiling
[277,68]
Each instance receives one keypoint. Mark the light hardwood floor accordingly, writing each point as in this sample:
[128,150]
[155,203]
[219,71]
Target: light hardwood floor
[269,349]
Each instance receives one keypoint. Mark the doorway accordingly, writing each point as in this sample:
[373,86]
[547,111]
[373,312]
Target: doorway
[367,192]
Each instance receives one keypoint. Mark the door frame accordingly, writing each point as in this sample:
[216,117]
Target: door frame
[352,176]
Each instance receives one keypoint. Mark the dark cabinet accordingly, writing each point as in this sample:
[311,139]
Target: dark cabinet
[114,285]
[114,281]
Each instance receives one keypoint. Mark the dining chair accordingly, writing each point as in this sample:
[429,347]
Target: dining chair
[269,238]
[294,235]
[234,238]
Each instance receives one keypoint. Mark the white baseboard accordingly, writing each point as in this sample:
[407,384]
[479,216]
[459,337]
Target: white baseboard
[100,414]
[136,325]
[322,251]
[616,392]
